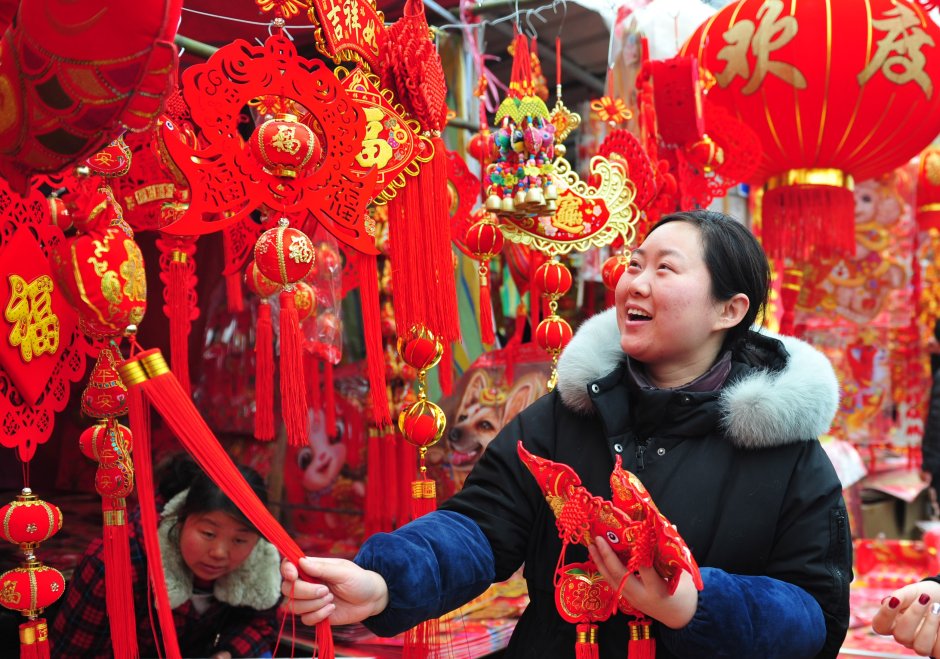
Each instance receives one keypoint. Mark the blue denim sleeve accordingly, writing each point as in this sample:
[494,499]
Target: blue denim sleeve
[749,616]
[433,565]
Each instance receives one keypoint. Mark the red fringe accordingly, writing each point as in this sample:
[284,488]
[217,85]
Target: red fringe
[586,645]
[118,579]
[422,259]
[808,222]
[183,419]
[407,463]
[312,379]
[293,390]
[179,311]
[487,325]
[445,370]
[372,332]
[329,399]
[642,645]
[139,414]
[234,297]
[390,481]
[264,374]
[34,639]
[424,638]
[375,490]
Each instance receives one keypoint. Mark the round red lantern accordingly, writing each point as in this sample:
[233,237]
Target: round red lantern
[257,283]
[422,423]
[484,239]
[421,350]
[31,588]
[835,91]
[554,278]
[705,154]
[285,146]
[305,300]
[98,443]
[553,334]
[284,254]
[613,268]
[928,189]
[29,520]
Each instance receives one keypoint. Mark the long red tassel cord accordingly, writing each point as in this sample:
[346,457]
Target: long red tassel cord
[34,639]
[293,390]
[147,372]
[372,333]
[264,373]
[118,578]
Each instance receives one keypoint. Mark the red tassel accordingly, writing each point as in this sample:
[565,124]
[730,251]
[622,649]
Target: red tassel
[808,222]
[407,459]
[234,296]
[390,481]
[312,379]
[445,370]
[372,333]
[139,414]
[329,399]
[642,645]
[487,325]
[34,639]
[264,374]
[293,391]
[586,645]
[421,640]
[118,578]
[148,373]
[372,515]
[178,274]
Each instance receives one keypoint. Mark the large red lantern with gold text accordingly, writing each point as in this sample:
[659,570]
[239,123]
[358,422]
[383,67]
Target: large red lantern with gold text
[835,91]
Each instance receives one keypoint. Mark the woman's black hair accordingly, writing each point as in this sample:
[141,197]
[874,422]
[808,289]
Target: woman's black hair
[735,260]
[180,471]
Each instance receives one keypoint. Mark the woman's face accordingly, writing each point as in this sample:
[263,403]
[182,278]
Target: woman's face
[215,543]
[667,316]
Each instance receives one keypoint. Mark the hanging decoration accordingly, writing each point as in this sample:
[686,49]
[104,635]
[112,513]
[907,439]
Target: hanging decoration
[864,97]
[635,529]
[265,289]
[350,30]
[68,86]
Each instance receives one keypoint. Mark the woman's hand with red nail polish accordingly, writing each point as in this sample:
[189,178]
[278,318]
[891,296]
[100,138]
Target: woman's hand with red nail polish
[908,615]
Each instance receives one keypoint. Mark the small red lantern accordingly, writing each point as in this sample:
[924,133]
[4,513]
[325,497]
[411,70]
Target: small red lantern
[422,423]
[484,239]
[284,254]
[422,350]
[613,268]
[29,520]
[257,283]
[285,146]
[705,154]
[305,300]
[554,279]
[31,588]
[553,334]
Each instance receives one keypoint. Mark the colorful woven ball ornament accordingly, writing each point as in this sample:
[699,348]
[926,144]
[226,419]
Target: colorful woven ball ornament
[422,423]
[31,588]
[284,254]
[613,268]
[29,520]
[285,146]
[554,278]
[422,350]
[257,283]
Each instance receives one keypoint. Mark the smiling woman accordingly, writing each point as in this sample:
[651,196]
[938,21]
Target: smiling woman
[221,576]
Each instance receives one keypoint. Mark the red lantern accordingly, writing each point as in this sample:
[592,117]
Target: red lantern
[305,300]
[29,520]
[928,189]
[31,588]
[284,254]
[421,351]
[257,283]
[834,91]
[554,278]
[613,268]
[553,334]
[98,443]
[422,423]
[484,239]
[705,154]
[285,146]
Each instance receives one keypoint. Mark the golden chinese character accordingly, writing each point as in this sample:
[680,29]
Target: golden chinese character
[568,217]
[375,151]
[771,34]
[351,12]
[285,141]
[104,158]
[299,250]
[904,37]
[368,36]
[338,31]
[9,595]
[35,327]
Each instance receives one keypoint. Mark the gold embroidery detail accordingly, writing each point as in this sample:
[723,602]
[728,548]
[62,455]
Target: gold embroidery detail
[35,327]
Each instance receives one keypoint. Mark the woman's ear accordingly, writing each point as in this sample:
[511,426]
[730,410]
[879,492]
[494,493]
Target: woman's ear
[732,311]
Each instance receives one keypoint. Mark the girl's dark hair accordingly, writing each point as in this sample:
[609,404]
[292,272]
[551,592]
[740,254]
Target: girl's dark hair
[735,260]
[180,471]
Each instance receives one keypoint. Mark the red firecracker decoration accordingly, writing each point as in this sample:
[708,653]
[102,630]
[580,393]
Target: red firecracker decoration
[286,255]
[835,92]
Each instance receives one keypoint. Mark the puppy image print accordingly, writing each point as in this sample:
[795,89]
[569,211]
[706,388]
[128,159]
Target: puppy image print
[482,403]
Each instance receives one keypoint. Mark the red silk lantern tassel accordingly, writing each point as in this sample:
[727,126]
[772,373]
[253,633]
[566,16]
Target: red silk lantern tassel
[329,399]
[138,412]
[119,594]
[390,481]
[146,373]
[642,645]
[264,374]
[34,639]
[445,371]
[487,325]
[372,515]
[312,379]
[179,309]
[808,222]
[372,333]
[293,391]
[234,296]
[586,645]
[421,640]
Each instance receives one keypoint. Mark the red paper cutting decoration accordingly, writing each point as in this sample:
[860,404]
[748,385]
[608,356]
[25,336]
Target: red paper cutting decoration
[829,105]
[72,75]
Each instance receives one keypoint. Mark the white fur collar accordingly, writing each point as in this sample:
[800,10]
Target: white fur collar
[766,408]
[256,583]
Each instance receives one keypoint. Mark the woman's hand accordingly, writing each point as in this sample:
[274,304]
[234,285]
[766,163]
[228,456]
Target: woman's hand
[645,590]
[344,592]
[912,615]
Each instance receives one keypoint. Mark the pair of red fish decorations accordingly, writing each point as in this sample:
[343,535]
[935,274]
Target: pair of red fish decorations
[635,529]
